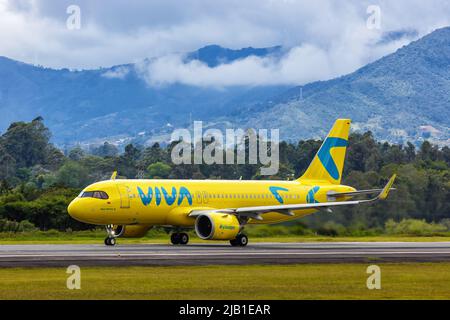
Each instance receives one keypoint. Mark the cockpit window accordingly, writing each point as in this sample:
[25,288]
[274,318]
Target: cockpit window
[94,194]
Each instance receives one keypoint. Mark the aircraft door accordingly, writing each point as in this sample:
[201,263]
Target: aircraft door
[124,192]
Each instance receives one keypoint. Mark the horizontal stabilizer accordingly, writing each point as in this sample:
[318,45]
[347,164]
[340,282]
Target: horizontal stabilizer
[337,195]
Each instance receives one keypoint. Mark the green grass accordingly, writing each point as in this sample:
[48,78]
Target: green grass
[307,281]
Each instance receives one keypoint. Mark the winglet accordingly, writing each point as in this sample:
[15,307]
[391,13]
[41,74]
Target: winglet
[384,193]
[114,175]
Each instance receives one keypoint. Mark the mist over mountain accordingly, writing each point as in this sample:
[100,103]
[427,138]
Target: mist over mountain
[116,103]
[401,97]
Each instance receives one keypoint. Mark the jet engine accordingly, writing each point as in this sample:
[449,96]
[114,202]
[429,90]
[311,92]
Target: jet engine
[131,231]
[217,226]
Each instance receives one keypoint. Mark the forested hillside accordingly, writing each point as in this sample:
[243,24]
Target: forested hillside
[400,97]
[38,180]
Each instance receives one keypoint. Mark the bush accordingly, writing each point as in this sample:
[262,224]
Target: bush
[11,197]
[25,226]
[14,226]
[332,229]
[277,230]
[414,227]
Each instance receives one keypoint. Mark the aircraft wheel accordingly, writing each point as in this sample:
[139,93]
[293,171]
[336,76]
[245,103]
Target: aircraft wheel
[234,243]
[184,238]
[241,240]
[110,241]
[175,238]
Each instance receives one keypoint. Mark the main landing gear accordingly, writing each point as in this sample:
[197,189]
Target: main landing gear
[240,241]
[179,238]
[110,240]
[182,238]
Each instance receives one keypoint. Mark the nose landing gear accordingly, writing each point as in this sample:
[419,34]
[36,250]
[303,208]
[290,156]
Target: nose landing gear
[179,238]
[110,240]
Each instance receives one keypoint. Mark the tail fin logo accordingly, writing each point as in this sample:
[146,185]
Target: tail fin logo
[325,157]
[310,197]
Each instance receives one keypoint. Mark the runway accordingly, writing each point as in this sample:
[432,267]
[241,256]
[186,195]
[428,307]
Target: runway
[221,254]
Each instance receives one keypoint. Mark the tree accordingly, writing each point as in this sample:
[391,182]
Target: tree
[28,143]
[7,165]
[158,170]
[76,154]
[410,152]
[131,153]
[428,152]
[72,175]
[106,150]
[127,162]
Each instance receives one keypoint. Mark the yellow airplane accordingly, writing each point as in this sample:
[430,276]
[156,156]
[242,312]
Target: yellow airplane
[220,209]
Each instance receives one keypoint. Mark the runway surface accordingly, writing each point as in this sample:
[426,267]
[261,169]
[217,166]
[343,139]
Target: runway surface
[214,254]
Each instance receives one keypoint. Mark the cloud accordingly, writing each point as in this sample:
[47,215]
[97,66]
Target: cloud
[249,71]
[324,38]
[117,73]
[299,65]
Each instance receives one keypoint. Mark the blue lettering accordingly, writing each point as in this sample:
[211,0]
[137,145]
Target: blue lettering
[158,196]
[170,200]
[145,198]
[184,193]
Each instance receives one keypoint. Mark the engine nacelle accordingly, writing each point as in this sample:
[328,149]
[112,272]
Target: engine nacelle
[217,226]
[131,231]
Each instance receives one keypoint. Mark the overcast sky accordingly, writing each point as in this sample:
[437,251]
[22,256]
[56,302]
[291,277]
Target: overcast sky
[324,38]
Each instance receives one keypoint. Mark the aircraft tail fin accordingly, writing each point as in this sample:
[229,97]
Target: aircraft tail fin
[328,163]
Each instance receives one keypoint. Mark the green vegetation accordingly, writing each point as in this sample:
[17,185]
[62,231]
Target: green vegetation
[278,234]
[37,182]
[308,281]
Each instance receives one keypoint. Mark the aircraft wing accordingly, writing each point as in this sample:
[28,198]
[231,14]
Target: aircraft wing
[255,212]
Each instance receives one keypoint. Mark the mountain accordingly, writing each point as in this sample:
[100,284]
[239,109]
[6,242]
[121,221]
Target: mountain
[401,97]
[404,96]
[116,104]
[214,55]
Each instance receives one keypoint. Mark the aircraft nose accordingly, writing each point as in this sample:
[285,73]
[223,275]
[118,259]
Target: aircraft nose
[75,211]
